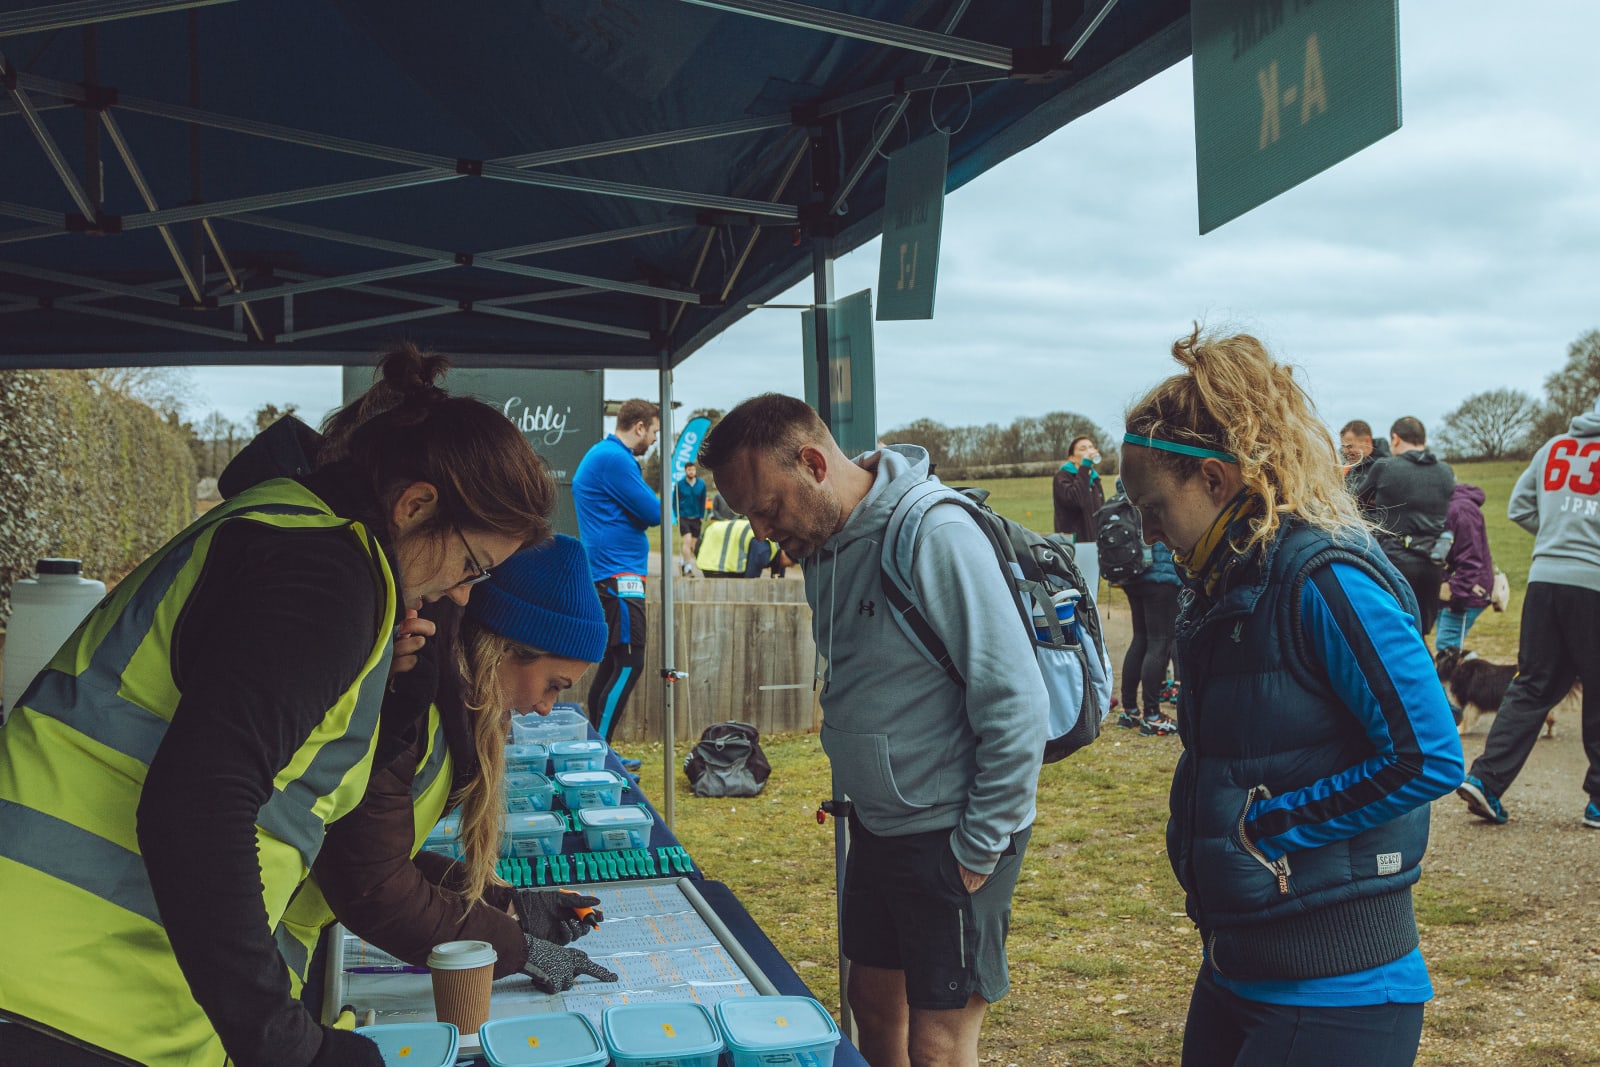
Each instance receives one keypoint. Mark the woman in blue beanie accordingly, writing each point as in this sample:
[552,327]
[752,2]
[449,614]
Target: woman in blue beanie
[529,631]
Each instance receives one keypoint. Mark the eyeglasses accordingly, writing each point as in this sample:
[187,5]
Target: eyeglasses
[479,572]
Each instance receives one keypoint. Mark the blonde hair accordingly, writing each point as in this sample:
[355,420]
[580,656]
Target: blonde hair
[1234,397]
[479,654]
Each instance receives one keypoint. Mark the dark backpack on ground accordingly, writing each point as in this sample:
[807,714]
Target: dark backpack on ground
[1071,659]
[1124,557]
[727,761]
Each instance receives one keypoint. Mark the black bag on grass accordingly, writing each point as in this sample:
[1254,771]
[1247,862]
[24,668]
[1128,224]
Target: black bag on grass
[727,761]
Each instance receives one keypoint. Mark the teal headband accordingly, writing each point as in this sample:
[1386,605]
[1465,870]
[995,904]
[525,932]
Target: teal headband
[1180,449]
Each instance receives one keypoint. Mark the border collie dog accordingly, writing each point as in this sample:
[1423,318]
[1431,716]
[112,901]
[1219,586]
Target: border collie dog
[1476,687]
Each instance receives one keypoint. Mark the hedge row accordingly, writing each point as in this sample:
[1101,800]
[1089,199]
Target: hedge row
[85,473]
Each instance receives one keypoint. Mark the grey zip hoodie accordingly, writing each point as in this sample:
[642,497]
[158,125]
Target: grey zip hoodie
[1565,520]
[912,750]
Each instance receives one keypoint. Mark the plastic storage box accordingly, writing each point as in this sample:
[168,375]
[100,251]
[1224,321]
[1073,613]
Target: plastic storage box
[551,1039]
[415,1044]
[527,757]
[577,756]
[446,838]
[590,789]
[534,834]
[609,828]
[564,723]
[661,1035]
[777,1031]
[526,791]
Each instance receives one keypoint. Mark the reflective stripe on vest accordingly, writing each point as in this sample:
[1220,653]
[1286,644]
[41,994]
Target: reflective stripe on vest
[85,951]
[725,546]
[309,913]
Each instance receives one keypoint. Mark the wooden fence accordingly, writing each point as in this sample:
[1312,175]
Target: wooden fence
[733,636]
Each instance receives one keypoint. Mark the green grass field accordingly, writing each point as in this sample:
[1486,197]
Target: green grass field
[1102,956]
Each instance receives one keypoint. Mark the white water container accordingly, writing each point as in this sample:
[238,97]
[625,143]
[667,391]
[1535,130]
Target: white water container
[45,609]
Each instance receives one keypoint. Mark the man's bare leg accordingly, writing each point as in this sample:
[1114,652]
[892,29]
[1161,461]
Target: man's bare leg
[893,1035]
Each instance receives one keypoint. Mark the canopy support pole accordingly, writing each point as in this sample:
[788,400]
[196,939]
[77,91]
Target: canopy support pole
[865,29]
[824,182]
[669,673]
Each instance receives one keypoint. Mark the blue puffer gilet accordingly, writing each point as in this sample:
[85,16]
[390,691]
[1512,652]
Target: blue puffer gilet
[1257,712]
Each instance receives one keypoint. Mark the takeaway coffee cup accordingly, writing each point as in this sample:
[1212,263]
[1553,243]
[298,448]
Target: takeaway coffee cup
[462,974]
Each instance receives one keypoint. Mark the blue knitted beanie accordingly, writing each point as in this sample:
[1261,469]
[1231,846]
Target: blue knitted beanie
[543,597]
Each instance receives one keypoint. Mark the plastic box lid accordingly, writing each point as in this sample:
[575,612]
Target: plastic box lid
[550,1039]
[576,779]
[415,1044]
[613,818]
[577,748]
[523,782]
[763,1024]
[535,822]
[660,1031]
[446,829]
[527,751]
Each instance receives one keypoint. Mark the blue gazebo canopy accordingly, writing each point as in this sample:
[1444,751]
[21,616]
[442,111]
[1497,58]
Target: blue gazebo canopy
[577,183]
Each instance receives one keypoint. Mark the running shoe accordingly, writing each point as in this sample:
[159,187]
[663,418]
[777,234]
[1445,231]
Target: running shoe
[1481,801]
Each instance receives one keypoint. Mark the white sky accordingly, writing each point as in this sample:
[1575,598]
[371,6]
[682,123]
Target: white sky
[1457,255]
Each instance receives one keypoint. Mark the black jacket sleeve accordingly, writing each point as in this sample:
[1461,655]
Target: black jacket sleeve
[275,632]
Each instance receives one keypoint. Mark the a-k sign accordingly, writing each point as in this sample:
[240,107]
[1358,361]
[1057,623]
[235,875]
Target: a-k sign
[1284,89]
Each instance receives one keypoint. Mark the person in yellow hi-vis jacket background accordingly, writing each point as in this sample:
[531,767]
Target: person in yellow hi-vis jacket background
[165,782]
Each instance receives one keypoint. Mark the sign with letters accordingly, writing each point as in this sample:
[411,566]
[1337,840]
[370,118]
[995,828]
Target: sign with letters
[560,412]
[851,389]
[1284,89]
[913,214]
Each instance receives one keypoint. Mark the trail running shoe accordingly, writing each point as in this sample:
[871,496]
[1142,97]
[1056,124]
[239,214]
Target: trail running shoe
[1169,691]
[1157,726]
[1481,802]
[1591,814]
[630,765]
[1126,721]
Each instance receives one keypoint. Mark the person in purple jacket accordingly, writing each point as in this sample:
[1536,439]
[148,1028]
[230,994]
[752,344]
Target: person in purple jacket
[1468,569]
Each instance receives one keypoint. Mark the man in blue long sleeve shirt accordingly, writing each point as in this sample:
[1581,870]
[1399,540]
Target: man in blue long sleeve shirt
[615,507]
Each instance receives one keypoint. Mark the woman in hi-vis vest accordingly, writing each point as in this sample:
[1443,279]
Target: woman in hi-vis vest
[529,633]
[165,782]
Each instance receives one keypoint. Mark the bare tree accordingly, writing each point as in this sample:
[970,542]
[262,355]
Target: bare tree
[267,414]
[166,389]
[1489,425]
[1569,391]
[930,434]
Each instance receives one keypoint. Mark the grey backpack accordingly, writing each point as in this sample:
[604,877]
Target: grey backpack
[727,761]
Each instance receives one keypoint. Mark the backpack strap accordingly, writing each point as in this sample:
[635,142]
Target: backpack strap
[894,571]
[899,549]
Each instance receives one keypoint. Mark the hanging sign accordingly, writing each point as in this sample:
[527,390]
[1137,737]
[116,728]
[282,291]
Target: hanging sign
[1283,90]
[913,213]
[851,391]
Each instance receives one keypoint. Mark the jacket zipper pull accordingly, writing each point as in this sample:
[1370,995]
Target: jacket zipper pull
[1283,879]
[1238,628]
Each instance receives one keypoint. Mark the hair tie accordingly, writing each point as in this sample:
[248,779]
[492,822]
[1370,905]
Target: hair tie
[1178,447]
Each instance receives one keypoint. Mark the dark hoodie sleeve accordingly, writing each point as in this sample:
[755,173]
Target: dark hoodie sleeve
[370,881]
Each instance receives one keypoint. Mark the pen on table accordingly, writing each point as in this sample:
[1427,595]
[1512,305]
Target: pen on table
[391,969]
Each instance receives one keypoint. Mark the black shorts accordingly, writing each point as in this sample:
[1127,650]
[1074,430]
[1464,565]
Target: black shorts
[689,527]
[905,909]
[625,623]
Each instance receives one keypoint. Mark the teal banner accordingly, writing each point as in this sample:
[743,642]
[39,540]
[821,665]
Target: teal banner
[851,387]
[1283,90]
[913,215]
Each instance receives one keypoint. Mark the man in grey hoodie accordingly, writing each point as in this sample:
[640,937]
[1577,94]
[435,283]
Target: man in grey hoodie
[1557,499]
[941,778]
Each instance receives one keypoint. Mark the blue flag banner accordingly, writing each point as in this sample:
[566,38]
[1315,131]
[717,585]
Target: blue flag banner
[687,449]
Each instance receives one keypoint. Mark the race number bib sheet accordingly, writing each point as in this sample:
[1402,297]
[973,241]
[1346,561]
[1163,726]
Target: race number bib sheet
[660,937]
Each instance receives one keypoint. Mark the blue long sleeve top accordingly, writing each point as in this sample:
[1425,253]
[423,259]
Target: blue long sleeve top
[1380,668]
[615,507]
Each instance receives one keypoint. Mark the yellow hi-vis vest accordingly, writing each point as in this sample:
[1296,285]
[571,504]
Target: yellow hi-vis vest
[308,913]
[725,546]
[83,948]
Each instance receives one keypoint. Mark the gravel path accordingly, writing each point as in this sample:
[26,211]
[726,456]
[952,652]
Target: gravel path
[1523,987]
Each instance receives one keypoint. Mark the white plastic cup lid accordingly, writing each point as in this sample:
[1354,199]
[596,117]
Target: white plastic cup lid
[461,956]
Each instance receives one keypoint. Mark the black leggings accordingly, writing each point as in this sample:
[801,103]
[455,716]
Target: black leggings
[1154,607]
[1226,1030]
